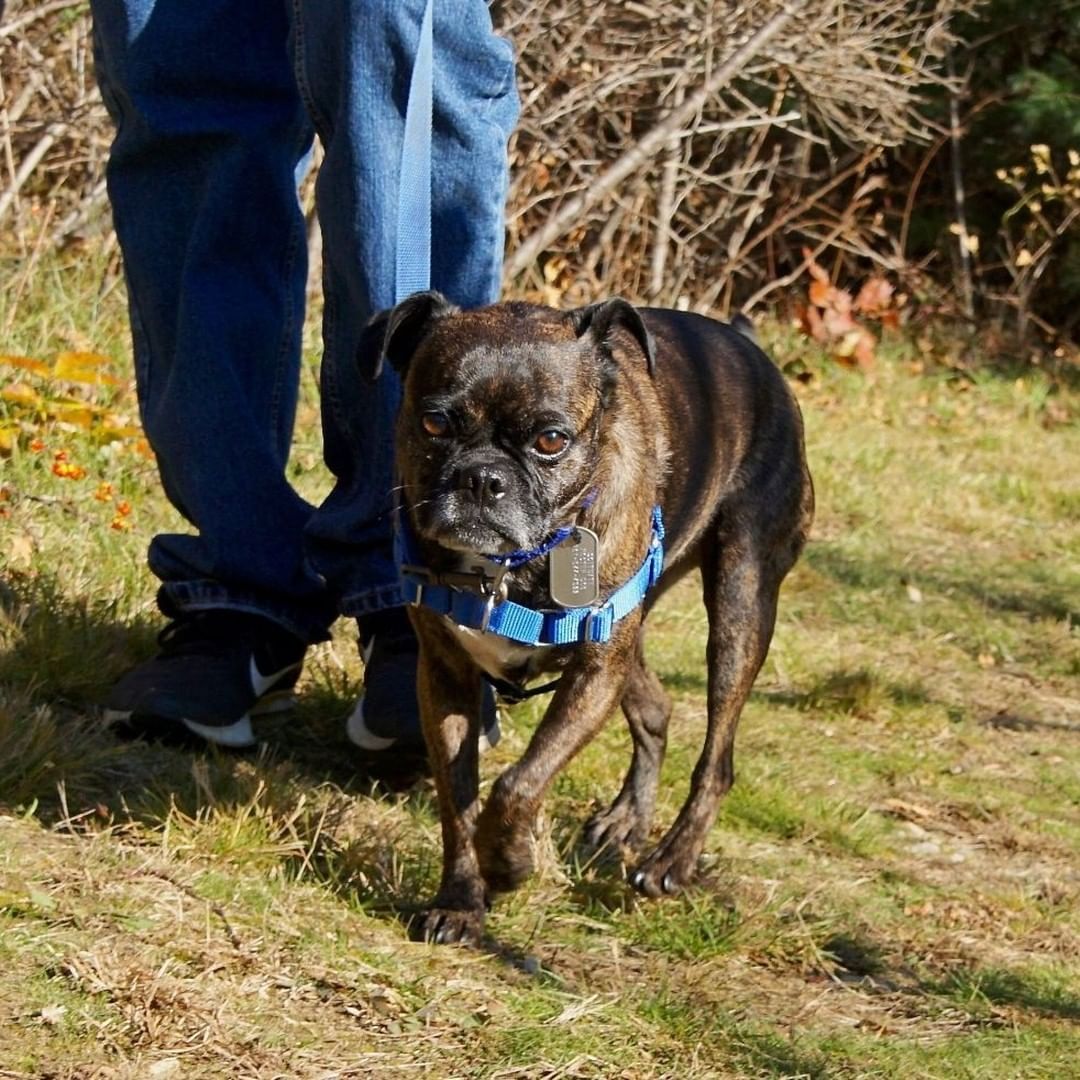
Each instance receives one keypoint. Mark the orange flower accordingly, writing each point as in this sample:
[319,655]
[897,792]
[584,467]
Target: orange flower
[66,471]
[123,508]
[104,492]
[60,455]
[36,445]
[120,524]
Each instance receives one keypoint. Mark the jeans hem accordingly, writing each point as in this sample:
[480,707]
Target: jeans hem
[175,597]
[371,600]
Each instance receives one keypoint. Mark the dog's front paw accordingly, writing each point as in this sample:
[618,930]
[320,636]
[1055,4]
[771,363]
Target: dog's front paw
[665,872]
[449,926]
[505,857]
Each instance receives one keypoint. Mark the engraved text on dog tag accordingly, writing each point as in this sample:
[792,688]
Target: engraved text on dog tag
[572,571]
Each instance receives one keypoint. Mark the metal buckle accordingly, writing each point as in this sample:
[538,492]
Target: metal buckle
[416,572]
[594,614]
[495,589]
[485,619]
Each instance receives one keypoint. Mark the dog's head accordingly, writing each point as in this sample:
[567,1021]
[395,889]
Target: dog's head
[500,430]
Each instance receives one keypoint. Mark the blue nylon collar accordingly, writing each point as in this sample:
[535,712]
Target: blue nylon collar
[482,610]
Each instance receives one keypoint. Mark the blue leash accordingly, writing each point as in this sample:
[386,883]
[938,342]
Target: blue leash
[412,274]
[413,270]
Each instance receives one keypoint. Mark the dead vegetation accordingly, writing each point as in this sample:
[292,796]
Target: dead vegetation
[680,151]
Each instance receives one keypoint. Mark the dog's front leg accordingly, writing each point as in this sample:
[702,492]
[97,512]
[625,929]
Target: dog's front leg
[449,691]
[588,693]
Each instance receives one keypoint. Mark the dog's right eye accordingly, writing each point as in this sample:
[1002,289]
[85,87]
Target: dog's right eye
[551,443]
[436,424]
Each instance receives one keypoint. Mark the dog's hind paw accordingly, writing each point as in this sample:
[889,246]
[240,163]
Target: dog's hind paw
[663,874]
[617,829]
[448,926]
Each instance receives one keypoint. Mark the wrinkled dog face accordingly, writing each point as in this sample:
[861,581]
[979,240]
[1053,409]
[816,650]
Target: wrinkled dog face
[497,438]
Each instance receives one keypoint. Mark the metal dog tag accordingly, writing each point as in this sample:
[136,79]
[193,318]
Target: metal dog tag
[573,579]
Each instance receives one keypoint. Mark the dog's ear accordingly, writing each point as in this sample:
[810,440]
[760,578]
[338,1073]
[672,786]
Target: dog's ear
[396,334]
[602,319]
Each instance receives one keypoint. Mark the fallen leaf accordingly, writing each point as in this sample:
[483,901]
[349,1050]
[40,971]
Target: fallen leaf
[819,292]
[84,367]
[38,367]
[874,297]
[21,393]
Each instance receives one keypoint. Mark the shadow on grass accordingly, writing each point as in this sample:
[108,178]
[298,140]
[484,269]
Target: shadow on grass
[1039,596]
[774,1055]
[56,648]
[1031,991]
[58,658]
[302,802]
[858,691]
[60,761]
[881,968]
[1004,720]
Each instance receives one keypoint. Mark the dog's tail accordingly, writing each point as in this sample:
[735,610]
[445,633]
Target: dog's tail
[745,327]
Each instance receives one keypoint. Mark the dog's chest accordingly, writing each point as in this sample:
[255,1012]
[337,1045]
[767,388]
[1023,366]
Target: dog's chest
[501,658]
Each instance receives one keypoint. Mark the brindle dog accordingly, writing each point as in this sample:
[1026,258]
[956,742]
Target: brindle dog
[518,420]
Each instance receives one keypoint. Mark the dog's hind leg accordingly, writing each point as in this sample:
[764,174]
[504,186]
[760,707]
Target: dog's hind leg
[741,573]
[625,823]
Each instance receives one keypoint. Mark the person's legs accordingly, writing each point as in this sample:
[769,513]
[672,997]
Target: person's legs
[354,63]
[210,130]
[202,178]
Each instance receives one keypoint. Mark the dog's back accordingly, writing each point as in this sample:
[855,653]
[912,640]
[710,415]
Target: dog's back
[736,433]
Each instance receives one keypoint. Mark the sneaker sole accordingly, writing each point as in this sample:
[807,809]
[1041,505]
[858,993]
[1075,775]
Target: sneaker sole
[238,735]
[360,735]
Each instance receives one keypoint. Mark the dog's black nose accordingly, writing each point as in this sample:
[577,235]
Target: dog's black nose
[485,483]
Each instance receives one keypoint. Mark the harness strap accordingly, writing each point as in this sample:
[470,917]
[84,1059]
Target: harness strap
[516,622]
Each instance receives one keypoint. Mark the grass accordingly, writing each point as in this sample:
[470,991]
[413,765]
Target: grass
[891,889]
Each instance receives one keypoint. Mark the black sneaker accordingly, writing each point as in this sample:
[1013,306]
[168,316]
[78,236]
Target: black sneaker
[386,720]
[214,671]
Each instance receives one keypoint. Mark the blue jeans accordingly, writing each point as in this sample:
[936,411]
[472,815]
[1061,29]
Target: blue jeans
[216,105]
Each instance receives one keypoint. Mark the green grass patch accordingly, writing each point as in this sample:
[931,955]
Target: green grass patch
[890,889]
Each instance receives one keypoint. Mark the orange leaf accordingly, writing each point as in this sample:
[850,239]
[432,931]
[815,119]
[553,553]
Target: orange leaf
[837,323]
[818,273]
[864,351]
[21,394]
[874,297]
[83,367]
[38,367]
[79,413]
[814,326]
[820,292]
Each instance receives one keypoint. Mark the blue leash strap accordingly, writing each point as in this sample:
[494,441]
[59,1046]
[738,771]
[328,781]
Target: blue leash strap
[412,273]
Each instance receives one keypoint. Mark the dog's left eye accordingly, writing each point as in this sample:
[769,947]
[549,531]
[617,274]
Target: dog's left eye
[551,443]
[436,424]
